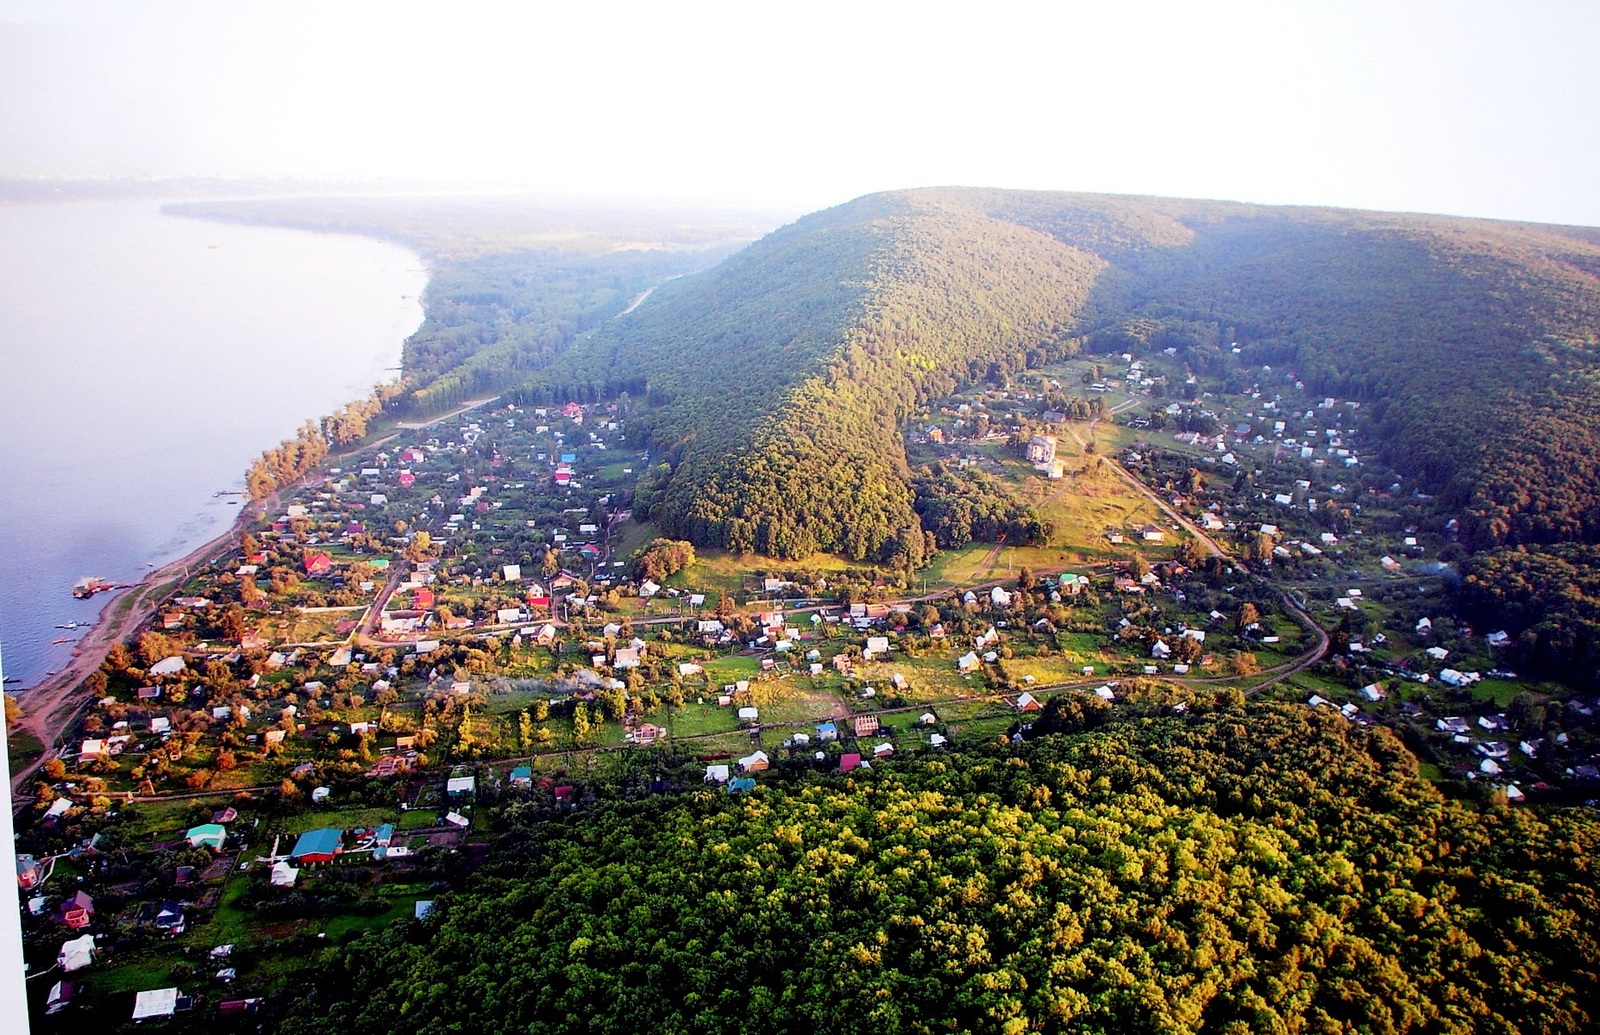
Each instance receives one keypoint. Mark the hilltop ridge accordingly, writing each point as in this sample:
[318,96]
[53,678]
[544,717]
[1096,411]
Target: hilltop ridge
[780,375]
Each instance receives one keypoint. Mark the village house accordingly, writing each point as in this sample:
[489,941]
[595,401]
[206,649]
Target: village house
[1041,450]
[77,911]
[318,846]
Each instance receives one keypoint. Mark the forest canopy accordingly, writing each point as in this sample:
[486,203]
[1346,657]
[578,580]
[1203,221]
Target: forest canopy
[1264,870]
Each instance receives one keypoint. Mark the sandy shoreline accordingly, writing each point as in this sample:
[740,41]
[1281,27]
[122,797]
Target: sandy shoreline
[50,706]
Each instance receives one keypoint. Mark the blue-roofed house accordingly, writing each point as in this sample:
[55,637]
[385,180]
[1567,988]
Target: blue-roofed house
[522,776]
[827,731]
[318,846]
[381,838]
[569,458]
[741,783]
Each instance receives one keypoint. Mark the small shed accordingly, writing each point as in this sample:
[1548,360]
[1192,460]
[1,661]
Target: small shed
[157,1002]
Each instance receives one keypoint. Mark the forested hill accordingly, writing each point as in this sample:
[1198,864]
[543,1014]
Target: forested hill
[782,373]
[779,379]
[1255,870]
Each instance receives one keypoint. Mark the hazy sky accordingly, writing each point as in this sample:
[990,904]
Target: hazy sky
[1466,107]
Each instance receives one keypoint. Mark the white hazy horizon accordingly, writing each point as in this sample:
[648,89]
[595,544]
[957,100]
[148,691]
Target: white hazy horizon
[1469,108]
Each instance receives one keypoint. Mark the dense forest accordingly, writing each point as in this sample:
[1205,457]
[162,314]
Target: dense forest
[1234,870]
[492,320]
[1547,598]
[959,507]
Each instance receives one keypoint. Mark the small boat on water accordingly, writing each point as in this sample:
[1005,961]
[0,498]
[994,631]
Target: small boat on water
[73,625]
[62,639]
[89,585]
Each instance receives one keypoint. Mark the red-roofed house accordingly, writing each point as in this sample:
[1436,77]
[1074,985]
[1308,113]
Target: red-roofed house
[318,563]
[77,911]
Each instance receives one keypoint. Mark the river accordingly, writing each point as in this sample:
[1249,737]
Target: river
[145,359]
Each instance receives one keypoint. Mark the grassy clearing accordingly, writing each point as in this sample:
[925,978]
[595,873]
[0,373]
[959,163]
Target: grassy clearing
[630,536]
[1057,669]
[404,907]
[695,719]
[1501,691]
[23,750]
[733,668]
[952,568]
[931,677]
[794,700]
[155,820]
[344,819]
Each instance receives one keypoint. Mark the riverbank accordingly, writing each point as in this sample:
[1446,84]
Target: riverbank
[51,706]
[149,358]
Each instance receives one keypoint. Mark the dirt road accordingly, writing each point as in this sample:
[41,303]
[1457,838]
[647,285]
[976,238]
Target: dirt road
[1150,494]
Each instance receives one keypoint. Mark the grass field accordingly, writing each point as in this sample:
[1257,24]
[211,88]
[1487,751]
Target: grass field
[297,627]
[1501,691]
[629,536]
[794,700]
[22,749]
[341,818]
[932,677]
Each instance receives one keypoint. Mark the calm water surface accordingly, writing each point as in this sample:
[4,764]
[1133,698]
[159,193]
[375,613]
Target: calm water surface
[145,359]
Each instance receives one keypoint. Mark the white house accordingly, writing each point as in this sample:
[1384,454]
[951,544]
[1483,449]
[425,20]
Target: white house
[168,666]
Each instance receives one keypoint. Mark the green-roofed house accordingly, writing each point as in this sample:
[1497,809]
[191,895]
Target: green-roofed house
[1072,585]
[212,835]
[318,846]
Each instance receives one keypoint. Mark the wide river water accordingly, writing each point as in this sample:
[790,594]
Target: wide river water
[145,359]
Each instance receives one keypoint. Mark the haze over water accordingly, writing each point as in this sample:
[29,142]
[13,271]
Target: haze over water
[145,359]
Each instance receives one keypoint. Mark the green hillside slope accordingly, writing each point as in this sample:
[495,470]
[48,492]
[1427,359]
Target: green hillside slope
[781,377]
